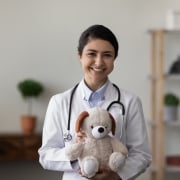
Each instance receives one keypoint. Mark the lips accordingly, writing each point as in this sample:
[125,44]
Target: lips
[97,69]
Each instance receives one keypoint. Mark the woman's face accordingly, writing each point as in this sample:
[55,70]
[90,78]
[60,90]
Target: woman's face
[97,62]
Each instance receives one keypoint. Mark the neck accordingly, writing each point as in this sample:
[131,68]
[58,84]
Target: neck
[95,85]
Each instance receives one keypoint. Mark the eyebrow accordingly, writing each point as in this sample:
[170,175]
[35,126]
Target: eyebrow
[92,50]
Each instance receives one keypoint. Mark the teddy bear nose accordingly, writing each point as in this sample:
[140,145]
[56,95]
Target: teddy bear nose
[101,130]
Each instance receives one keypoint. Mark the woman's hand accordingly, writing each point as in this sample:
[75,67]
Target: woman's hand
[80,137]
[105,173]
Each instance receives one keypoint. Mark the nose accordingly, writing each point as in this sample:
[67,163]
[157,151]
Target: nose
[99,60]
[101,130]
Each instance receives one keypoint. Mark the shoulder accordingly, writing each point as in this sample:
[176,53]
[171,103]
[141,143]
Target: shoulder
[63,95]
[129,98]
[132,103]
[128,95]
[124,93]
[61,98]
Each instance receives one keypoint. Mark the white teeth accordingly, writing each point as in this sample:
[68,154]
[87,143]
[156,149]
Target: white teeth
[97,69]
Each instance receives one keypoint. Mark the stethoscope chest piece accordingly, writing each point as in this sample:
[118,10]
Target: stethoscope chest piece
[67,136]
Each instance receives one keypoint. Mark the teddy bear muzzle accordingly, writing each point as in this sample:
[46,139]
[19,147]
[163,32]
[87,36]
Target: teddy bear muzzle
[99,132]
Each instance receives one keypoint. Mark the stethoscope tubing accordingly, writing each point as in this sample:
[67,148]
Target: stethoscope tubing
[70,105]
[68,136]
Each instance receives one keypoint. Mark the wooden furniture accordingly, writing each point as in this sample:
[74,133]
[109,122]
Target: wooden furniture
[19,147]
[158,125]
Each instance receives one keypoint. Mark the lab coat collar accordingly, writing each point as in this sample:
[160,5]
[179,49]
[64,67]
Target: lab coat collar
[88,93]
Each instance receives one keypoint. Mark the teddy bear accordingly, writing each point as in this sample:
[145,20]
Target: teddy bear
[99,148]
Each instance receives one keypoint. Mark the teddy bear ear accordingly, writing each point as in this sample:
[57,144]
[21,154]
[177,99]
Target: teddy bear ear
[113,124]
[80,119]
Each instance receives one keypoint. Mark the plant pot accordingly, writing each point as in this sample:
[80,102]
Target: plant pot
[170,113]
[28,124]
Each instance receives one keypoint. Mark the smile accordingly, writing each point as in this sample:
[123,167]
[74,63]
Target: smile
[97,69]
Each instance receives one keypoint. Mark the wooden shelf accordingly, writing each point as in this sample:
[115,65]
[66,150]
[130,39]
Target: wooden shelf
[173,124]
[19,147]
[158,79]
[172,169]
[174,77]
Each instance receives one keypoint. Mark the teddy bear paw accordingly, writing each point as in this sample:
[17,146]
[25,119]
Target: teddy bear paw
[90,167]
[116,161]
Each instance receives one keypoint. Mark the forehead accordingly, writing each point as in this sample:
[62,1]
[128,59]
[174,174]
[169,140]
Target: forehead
[98,45]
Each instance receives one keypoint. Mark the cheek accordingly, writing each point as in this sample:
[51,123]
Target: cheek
[85,62]
[82,59]
[82,62]
[111,66]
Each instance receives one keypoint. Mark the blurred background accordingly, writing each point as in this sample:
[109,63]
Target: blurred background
[38,40]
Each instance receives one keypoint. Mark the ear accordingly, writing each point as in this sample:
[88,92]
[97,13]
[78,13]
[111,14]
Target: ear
[80,119]
[113,124]
[79,57]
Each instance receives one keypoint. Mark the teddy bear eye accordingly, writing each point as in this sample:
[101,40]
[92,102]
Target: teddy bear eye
[106,127]
[92,127]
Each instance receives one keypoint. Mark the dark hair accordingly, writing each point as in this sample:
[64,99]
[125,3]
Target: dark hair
[97,32]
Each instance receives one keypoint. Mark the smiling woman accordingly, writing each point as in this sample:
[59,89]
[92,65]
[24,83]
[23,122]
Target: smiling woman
[97,61]
[97,49]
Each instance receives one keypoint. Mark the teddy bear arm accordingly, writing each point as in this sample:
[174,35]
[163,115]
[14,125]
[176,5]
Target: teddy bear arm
[74,151]
[119,147]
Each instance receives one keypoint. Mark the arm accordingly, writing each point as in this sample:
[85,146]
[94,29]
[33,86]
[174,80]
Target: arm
[52,152]
[136,138]
[119,147]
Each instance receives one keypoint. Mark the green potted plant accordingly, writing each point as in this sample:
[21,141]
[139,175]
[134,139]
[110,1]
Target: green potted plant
[171,102]
[29,89]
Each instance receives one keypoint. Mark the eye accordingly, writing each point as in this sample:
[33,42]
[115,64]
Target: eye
[91,54]
[107,55]
[92,127]
[106,127]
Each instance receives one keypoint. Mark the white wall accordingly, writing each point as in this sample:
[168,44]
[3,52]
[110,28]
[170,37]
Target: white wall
[38,39]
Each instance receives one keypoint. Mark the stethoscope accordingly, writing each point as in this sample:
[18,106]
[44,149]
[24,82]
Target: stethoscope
[68,136]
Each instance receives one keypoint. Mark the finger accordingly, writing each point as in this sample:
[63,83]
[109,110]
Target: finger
[80,172]
[81,134]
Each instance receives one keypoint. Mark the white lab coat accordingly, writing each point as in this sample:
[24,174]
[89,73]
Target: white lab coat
[134,134]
